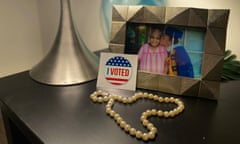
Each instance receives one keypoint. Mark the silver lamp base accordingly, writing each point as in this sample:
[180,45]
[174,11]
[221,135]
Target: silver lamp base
[69,61]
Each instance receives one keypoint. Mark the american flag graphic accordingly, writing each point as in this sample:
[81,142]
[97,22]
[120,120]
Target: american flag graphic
[118,70]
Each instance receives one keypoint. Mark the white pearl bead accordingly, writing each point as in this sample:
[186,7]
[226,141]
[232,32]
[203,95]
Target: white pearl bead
[108,110]
[105,98]
[139,95]
[151,135]
[145,95]
[99,92]
[175,111]
[122,123]
[127,127]
[153,130]
[119,119]
[108,106]
[153,112]
[144,114]
[177,101]
[113,97]
[155,97]
[166,99]
[150,125]
[112,113]
[124,100]
[143,117]
[160,99]
[166,114]
[134,98]
[178,110]
[92,96]
[95,99]
[171,114]
[171,99]
[148,113]
[139,134]
[145,137]
[132,131]
[116,116]
[181,107]
[119,98]
[160,113]
[145,122]
[150,96]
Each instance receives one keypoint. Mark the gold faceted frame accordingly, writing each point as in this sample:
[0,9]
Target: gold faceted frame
[213,20]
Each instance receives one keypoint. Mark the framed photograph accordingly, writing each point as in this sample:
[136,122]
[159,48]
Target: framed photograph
[180,50]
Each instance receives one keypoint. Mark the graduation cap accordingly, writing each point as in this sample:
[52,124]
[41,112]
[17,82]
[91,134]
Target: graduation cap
[173,32]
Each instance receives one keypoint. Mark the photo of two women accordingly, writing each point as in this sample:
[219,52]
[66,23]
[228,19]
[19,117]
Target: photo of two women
[167,50]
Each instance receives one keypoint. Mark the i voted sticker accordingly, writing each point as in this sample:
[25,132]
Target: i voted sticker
[118,70]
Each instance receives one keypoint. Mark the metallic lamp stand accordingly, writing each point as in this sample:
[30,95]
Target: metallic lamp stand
[69,61]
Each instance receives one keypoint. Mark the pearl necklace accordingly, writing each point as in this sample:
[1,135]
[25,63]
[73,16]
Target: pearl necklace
[100,96]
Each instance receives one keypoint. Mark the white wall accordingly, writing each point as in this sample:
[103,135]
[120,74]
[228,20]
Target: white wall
[20,45]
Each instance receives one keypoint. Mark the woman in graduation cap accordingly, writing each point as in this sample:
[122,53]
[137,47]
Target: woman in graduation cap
[183,65]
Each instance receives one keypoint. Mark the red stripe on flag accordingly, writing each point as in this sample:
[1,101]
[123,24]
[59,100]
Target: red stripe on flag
[116,83]
[117,79]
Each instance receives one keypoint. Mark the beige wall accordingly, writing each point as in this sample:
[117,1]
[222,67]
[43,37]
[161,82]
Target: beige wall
[49,12]
[20,45]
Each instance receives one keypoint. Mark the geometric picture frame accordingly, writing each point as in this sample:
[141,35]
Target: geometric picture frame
[213,20]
